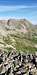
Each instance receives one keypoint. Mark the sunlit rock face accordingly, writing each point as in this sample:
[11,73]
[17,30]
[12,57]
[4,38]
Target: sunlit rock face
[21,24]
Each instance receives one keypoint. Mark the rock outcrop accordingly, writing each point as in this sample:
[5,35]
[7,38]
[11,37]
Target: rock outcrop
[18,64]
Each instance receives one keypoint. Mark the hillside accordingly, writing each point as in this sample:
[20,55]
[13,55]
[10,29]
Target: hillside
[19,35]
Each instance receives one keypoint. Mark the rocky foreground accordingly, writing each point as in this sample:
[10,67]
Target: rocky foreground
[15,63]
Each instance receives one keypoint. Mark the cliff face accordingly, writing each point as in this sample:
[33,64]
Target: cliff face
[15,22]
[16,26]
[22,24]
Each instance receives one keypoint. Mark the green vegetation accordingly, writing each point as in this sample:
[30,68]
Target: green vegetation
[20,35]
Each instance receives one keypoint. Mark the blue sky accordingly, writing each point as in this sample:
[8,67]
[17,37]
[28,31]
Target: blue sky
[19,9]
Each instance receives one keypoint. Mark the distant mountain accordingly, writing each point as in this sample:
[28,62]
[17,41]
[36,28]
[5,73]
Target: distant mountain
[19,34]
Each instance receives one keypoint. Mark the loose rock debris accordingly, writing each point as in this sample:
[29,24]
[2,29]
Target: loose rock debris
[18,64]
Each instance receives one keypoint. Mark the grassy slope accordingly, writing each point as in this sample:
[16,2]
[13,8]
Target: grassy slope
[19,41]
